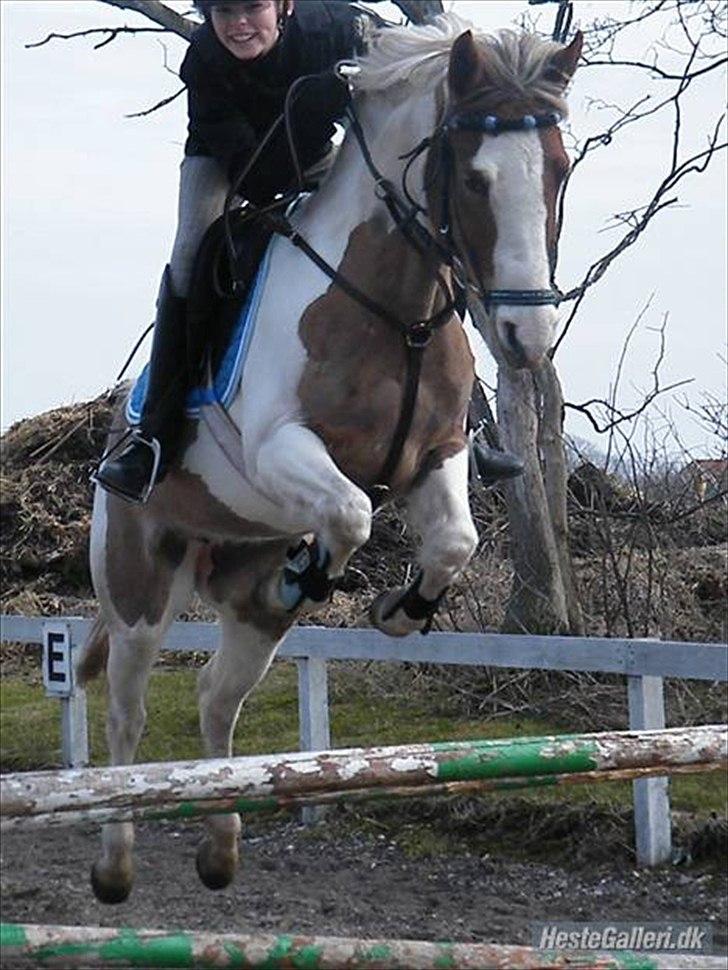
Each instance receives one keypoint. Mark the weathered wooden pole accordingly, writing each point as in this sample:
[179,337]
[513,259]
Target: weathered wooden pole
[77,946]
[265,782]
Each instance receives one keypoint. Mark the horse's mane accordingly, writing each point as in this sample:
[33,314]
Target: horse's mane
[418,55]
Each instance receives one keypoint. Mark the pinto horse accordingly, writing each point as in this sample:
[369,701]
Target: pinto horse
[462,126]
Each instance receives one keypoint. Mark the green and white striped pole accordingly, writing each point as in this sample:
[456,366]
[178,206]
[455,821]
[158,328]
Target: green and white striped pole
[271,782]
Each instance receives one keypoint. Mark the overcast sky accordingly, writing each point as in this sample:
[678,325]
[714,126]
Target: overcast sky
[89,208]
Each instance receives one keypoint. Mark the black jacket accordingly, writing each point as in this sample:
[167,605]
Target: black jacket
[232,103]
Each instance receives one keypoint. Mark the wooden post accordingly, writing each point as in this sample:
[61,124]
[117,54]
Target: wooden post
[313,718]
[653,836]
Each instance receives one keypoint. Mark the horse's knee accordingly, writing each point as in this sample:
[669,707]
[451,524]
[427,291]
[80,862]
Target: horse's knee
[124,726]
[346,523]
[445,554]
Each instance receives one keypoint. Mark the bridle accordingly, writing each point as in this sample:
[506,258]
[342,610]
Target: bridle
[436,248]
[483,123]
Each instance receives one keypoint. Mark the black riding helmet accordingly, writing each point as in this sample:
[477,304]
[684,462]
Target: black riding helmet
[205,7]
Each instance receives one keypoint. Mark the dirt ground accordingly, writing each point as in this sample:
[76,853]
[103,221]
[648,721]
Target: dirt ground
[335,882]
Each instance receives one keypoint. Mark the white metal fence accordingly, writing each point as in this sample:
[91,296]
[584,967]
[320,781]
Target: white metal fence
[644,663]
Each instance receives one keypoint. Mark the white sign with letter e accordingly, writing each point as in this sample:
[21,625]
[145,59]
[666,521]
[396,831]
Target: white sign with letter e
[57,662]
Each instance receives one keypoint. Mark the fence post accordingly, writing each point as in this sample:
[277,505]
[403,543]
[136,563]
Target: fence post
[74,720]
[74,730]
[313,717]
[59,679]
[653,836]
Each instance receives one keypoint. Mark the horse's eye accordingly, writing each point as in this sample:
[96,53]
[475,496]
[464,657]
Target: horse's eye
[477,182]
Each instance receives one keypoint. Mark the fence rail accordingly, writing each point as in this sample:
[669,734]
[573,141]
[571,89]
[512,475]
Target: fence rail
[643,662]
[181,789]
[100,946]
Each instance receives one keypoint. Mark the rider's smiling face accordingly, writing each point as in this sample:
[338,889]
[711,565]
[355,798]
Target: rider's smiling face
[247,28]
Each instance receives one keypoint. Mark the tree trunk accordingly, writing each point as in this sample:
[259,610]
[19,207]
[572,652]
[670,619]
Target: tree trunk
[551,447]
[537,602]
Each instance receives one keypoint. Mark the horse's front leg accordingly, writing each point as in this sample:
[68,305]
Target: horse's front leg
[439,513]
[295,468]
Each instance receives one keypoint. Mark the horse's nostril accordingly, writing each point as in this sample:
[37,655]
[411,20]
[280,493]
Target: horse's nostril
[514,344]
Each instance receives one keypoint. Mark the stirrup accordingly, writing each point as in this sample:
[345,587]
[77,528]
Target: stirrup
[156,449]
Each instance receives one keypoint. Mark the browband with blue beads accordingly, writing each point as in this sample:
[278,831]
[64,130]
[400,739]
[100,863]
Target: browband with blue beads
[493,125]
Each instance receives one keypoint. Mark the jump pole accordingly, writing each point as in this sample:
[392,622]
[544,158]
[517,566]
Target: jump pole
[271,782]
[69,947]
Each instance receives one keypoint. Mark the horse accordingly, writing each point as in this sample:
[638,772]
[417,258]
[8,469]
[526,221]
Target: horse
[449,170]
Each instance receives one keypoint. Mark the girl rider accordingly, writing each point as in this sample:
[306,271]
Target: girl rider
[239,67]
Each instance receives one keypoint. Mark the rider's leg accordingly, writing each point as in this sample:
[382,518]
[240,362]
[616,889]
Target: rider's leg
[133,472]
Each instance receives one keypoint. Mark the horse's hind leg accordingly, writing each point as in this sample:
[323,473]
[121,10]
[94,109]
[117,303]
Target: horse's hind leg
[142,577]
[250,634]
[130,660]
[439,513]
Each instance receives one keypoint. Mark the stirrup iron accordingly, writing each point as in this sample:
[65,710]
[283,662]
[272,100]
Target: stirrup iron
[156,449]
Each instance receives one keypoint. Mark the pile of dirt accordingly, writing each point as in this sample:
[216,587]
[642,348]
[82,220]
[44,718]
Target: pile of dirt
[45,503]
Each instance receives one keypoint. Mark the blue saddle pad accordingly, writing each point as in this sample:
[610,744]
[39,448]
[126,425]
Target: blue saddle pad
[226,381]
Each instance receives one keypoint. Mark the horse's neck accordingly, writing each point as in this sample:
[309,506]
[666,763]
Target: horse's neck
[348,195]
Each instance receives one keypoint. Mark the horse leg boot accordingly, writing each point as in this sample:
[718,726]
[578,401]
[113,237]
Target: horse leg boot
[439,514]
[133,473]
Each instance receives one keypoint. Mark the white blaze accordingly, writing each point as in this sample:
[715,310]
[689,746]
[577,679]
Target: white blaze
[512,163]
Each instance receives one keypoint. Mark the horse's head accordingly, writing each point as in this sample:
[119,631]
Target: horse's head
[494,177]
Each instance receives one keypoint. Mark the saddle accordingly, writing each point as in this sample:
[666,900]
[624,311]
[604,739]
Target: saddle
[220,286]
[221,310]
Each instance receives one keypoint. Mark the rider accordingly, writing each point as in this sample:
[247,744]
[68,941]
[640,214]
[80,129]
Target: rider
[239,67]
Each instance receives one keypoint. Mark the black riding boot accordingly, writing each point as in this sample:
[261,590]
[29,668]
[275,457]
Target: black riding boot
[490,465]
[133,472]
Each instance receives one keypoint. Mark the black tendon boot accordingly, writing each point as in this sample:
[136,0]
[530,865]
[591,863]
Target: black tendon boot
[133,472]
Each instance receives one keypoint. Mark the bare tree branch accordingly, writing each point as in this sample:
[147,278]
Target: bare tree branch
[160,104]
[614,415]
[111,34]
[158,13]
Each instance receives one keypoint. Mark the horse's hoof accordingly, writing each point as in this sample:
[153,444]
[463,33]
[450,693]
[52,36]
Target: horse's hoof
[215,869]
[111,891]
[385,615]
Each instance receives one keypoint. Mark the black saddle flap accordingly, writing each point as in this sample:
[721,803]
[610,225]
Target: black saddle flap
[214,302]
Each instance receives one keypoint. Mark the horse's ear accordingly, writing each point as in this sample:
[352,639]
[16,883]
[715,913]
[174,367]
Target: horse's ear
[563,64]
[465,66]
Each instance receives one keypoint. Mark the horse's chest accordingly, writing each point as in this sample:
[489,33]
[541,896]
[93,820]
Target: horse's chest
[355,368]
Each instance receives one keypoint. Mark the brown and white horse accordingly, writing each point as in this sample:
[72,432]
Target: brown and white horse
[323,384]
